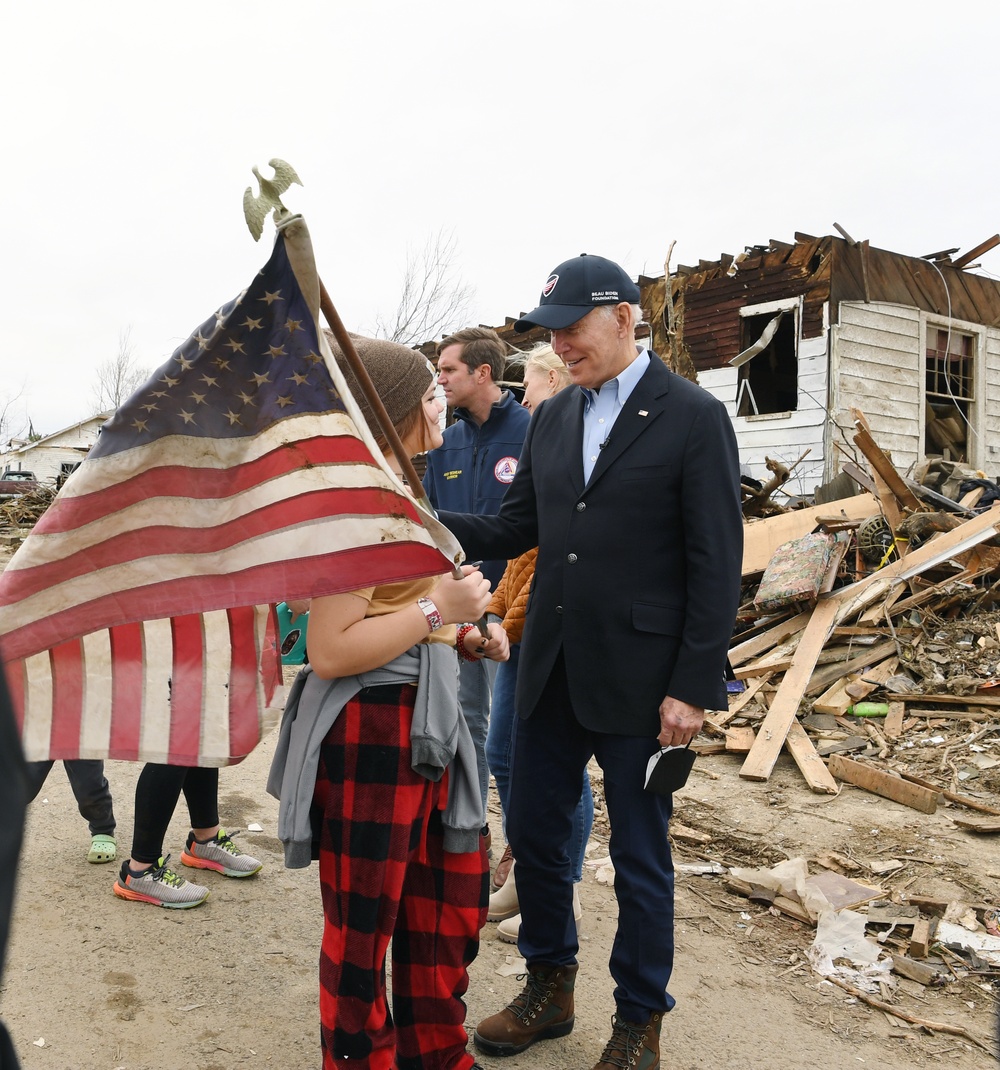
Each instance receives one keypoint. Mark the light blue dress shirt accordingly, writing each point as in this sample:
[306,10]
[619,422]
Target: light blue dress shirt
[602,406]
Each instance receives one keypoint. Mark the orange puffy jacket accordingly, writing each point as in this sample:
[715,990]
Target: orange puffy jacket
[510,599]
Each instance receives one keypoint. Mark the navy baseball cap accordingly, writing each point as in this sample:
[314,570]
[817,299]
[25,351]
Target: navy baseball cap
[576,287]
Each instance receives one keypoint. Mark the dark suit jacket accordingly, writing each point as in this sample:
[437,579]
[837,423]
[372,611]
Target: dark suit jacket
[638,572]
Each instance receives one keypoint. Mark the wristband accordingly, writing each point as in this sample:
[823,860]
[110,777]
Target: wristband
[460,642]
[432,613]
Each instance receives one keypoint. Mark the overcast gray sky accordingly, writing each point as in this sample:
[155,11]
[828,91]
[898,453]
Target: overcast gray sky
[531,130]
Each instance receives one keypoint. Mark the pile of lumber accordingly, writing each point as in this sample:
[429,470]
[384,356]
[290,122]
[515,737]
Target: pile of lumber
[911,635]
[24,510]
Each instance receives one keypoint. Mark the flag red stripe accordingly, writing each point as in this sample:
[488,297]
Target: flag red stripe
[126,691]
[244,727]
[186,684]
[343,570]
[67,513]
[66,661]
[181,538]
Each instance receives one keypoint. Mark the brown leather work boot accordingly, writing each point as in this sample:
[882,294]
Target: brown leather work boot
[633,1045]
[543,1010]
[503,868]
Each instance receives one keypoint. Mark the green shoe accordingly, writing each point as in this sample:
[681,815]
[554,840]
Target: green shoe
[102,849]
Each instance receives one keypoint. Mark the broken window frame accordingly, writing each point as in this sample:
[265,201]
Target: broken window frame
[787,309]
[969,405]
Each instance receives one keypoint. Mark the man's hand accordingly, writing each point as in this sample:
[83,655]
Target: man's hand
[679,722]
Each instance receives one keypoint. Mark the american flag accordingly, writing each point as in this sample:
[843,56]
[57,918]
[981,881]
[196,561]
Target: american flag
[137,618]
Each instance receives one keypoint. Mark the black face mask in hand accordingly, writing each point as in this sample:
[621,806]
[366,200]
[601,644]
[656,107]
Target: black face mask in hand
[668,768]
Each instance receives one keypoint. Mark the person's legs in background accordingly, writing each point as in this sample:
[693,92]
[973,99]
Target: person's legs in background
[145,877]
[93,797]
[500,747]
[208,845]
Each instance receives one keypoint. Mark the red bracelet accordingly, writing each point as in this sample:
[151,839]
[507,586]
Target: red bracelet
[460,635]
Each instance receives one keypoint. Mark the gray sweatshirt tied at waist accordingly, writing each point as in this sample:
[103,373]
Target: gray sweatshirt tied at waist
[439,738]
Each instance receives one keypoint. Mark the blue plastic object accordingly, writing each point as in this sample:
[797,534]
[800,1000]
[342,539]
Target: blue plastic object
[293,635]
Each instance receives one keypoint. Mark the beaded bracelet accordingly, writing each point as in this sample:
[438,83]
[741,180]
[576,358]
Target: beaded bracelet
[460,635]
[431,613]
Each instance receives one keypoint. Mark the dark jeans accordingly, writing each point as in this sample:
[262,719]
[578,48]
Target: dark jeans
[90,786]
[551,753]
[156,794]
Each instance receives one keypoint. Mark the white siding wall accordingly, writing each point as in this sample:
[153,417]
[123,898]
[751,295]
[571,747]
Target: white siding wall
[877,361]
[782,438]
[990,453]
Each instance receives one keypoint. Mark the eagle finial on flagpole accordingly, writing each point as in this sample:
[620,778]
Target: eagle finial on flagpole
[256,207]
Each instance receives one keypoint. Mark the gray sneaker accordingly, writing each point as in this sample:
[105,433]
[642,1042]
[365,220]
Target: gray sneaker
[159,886]
[220,854]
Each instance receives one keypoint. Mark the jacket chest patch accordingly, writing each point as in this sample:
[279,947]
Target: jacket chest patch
[504,469]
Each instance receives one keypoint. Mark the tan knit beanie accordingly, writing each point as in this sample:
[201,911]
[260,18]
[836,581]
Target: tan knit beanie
[400,375]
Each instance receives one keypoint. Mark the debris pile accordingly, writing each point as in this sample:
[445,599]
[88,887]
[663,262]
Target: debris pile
[24,510]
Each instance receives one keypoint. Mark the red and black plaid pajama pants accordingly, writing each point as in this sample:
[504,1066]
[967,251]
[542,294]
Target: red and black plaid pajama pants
[385,874]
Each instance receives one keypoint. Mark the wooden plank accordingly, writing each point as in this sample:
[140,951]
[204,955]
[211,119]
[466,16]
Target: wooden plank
[835,698]
[748,695]
[822,678]
[920,939]
[879,783]
[874,678]
[765,641]
[951,796]
[739,740]
[811,765]
[759,668]
[977,824]
[885,469]
[894,721]
[773,729]
[762,537]
[859,475]
[986,701]
[913,970]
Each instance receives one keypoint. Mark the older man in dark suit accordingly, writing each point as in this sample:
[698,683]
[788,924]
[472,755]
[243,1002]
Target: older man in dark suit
[629,486]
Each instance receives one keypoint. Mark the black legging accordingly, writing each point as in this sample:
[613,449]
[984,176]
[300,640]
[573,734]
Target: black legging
[156,793]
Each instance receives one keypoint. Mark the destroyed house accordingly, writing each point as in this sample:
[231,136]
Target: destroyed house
[792,336]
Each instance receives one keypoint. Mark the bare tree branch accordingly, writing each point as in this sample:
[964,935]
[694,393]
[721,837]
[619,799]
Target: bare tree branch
[14,422]
[433,299]
[120,377]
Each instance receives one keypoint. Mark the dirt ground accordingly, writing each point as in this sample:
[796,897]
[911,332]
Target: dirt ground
[94,983]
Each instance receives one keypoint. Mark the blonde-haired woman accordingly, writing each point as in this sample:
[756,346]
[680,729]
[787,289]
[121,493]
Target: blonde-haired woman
[544,375]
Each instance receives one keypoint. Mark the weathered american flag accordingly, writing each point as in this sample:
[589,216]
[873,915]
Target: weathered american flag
[136,619]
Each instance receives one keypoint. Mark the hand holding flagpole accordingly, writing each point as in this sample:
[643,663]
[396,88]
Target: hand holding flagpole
[255,209]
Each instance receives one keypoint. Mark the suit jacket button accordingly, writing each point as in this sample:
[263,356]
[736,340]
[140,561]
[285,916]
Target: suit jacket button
[580,506]
[559,609]
[571,558]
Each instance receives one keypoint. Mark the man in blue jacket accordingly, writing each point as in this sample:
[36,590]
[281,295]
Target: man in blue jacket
[470,473]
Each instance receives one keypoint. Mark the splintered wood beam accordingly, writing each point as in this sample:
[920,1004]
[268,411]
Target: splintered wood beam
[773,729]
[978,250]
[884,468]
[889,787]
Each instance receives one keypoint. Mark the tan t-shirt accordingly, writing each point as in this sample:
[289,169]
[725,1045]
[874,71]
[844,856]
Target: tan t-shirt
[392,596]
